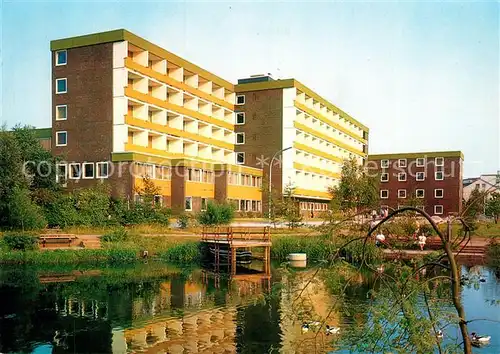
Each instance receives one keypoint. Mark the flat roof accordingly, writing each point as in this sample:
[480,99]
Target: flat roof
[289,83]
[124,35]
[43,133]
[412,155]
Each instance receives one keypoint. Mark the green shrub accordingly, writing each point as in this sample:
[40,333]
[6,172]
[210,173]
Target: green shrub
[117,235]
[183,221]
[62,212]
[316,247]
[20,242]
[23,213]
[493,254]
[183,253]
[216,214]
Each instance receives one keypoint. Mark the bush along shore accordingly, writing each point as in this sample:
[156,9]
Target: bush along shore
[117,247]
[120,246]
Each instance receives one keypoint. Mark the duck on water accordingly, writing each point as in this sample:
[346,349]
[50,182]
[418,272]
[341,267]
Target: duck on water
[479,340]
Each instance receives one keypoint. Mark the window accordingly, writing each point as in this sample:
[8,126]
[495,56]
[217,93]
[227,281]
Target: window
[421,162]
[61,57]
[61,112]
[240,138]
[384,164]
[438,209]
[420,176]
[439,161]
[483,186]
[384,177]
[62,173]
[240,118]
[203,203]
[438,176]
[61,86]
[102,169]
[402,176]
[158,200]
[438,193]
[240,158]
[401,193]
[402,163]
[384,194]
[75,171]
[420,193]
[188,203]
[88,170]
[61,138]
[240,99]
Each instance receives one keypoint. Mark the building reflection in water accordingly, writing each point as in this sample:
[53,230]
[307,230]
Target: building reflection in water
[208,305]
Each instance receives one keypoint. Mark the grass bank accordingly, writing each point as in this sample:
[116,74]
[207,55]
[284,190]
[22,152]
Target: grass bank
[320,248]
[121,248]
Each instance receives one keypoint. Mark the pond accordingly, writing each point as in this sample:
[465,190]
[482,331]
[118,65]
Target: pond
[160,308]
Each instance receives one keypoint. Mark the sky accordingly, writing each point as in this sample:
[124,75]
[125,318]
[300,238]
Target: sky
[423,76]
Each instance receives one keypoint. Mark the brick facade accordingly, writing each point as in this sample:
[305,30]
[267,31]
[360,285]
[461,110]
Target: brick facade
[263,134]
[451,184]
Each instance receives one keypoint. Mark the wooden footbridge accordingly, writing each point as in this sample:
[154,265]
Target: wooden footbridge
[230,239]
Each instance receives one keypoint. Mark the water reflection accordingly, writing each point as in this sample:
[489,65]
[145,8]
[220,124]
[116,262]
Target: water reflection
[160,308]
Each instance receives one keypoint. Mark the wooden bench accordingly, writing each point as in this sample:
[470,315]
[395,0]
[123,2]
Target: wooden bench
[57,239]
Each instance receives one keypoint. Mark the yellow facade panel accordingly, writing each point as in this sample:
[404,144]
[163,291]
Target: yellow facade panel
[319,171]
[164,186]
[177,132]
[239,168]
[312,193]
[323,136]
[317,152]
[328,121]
[176,108]
[244,192]
[199,189]
[129,63]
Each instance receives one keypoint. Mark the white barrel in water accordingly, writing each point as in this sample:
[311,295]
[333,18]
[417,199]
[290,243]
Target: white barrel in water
[297,257]
[298,264]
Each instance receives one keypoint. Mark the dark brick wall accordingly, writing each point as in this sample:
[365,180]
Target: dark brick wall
[263,132]
[451,185]
[89,73]
[221,180]
[178,188]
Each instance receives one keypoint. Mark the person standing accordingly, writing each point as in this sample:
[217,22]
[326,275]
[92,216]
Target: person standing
[421,241]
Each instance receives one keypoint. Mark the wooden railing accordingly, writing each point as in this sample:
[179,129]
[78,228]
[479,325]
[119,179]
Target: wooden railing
[229,234]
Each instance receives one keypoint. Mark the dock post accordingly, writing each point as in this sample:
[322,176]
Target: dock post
[233,260]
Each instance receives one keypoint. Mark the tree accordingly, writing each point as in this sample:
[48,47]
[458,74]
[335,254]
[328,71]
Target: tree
[356,190]
[493,206]
[288,207]
[473,207]
[148,190]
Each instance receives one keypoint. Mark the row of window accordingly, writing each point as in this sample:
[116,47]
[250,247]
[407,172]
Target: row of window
[240,179]
[85,170]
[420,162]
[246,205]
[419,193]
[419,176]
[197,175]
[152,171]
[313,206]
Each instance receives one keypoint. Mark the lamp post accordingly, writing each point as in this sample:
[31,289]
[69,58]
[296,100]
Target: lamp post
[270,179]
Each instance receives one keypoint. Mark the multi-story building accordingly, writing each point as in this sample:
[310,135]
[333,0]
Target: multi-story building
[314,136]
[432,180]
[124,108]
[485,183]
